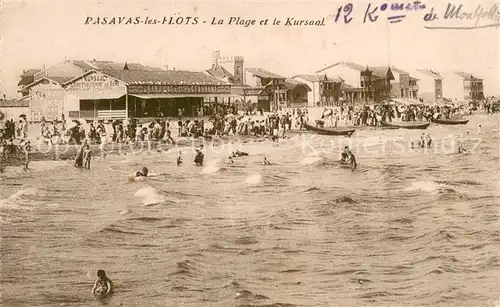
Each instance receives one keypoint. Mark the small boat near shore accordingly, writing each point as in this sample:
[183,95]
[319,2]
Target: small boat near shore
[407,125]
[329,131]
[450,121]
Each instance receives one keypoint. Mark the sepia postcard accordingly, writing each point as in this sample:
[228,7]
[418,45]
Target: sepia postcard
[249,153]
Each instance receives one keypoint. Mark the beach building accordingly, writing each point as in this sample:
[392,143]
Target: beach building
[13,108]
[430,85]
[376,82]
[462,86]
[27,77]
[117,91]
[258,79]
[403,85]
[296,93]
[324,91]
[361,83]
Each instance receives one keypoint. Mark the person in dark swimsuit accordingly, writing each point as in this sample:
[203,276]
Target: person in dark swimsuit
[142,173]
[352,161]
[179,159]
[266,162]
[103,285]
[198,159]
[344,158]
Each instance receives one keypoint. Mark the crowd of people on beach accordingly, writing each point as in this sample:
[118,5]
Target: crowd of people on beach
[225,120]
[374,115]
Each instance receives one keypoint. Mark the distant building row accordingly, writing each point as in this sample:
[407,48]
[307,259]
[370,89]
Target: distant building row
[109,90]
[345,81]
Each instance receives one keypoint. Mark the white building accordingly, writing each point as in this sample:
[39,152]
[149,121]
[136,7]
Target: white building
[314,82]
[430,84]
[461,86]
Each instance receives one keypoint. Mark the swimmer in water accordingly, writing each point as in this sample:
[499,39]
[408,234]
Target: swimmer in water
[352,160]
[198,159]
[345,155]
[231,160]
[266,162]
[103,285]
[179,158]
[87,156]
[142,173]
[461,148]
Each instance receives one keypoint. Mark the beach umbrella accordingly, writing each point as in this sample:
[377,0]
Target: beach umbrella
[23,116]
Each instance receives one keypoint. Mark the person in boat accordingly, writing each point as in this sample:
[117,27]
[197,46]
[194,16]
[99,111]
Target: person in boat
[103,285]
[87,156]
[266,162]
[142,173]
[179,159]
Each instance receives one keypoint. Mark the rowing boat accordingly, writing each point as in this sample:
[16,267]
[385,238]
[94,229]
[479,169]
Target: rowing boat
[407,125]
[329,131]
[450,121]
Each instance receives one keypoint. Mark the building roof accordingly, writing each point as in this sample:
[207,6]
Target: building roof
[172,77]
[109,65]
[12,103]
[30,72]
[320,78]
[429,72]
[262,73]
[218,71]
[310,78]
[58,80]
[350,65]
[292,84]
[380,71]
[398,71]
[467,76]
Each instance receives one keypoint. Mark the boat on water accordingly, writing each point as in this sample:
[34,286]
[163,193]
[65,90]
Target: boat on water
[407,125]
[329,131]
[450,121]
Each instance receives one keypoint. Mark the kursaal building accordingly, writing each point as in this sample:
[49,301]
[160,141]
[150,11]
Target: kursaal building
[106,90]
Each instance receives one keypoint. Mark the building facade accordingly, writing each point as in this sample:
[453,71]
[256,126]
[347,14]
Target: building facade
[461,86]
[119,94]
[403,85]
[274,95]
[361,83]
[430,85]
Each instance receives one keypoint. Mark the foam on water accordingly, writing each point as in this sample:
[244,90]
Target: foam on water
[150,196]
[424,186]
[211,167]
[311,160]
[254,179]
[13,200]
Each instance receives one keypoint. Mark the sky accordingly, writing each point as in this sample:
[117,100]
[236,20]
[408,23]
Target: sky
[45,33]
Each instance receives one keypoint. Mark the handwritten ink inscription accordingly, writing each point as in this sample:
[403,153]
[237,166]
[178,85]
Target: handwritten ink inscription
[482,17]
[344,13]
